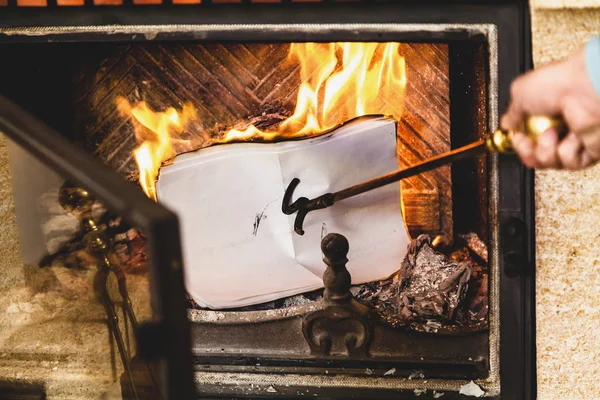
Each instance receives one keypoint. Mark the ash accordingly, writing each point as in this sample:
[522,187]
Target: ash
[438,286]
[431,289]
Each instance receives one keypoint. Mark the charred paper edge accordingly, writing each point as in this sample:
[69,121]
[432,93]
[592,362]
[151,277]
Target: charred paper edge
[283,138]
[491,384]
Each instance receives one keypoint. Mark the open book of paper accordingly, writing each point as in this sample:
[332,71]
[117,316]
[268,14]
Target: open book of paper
[240,249]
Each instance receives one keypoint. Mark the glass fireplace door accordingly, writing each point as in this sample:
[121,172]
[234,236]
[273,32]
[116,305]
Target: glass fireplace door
[89,297]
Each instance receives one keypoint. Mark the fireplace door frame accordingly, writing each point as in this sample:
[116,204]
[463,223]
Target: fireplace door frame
[168,333]
[511,218]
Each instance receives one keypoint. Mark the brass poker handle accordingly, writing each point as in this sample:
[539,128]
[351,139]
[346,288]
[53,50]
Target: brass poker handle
[534,127]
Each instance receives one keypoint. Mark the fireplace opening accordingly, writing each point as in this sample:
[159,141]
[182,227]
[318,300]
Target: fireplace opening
[113,98]
[136,107]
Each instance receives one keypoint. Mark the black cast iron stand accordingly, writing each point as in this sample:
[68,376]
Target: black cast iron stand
[343,317]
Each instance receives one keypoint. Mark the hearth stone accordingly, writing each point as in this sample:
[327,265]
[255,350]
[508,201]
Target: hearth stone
[54,331]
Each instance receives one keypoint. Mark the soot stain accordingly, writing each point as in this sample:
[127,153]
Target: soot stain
[257,220]
[259,217]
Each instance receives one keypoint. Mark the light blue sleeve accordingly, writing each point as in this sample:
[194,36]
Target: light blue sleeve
[592,62]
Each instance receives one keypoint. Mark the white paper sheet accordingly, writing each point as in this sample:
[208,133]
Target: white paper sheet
[238,246]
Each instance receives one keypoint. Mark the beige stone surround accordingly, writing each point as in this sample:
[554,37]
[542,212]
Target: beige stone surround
[568,265]
[568,238]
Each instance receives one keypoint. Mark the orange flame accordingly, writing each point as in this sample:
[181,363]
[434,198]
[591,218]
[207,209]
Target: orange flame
[156,132]
[340,81]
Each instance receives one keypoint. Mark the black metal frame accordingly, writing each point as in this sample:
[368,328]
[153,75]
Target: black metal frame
[516,203]
[158,224]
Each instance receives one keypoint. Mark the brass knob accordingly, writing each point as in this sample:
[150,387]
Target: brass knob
[72,197]
[501,140]
[79,201]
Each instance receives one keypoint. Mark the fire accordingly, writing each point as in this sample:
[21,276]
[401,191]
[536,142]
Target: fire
[340,81]
[157,132]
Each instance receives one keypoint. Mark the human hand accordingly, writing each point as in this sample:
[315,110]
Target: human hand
[563,88]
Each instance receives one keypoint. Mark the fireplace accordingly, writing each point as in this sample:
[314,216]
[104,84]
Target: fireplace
[89,72]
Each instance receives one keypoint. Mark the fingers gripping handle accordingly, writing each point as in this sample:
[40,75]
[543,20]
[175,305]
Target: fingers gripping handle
[500,141]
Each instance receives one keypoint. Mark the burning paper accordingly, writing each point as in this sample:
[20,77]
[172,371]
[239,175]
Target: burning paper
[240,249]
